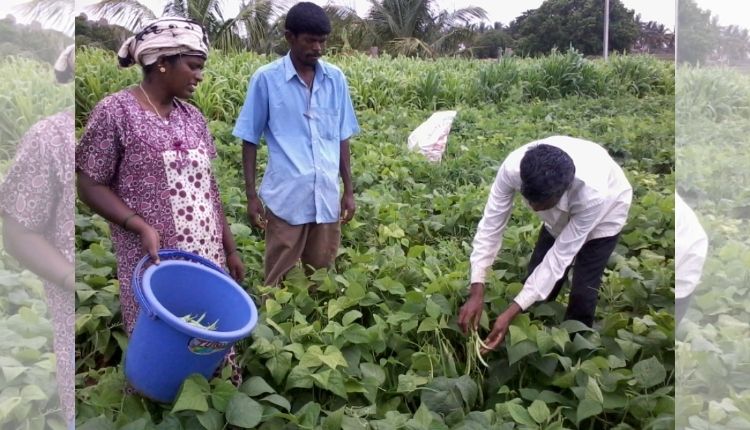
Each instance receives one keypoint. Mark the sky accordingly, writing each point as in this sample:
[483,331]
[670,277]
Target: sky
[662,11]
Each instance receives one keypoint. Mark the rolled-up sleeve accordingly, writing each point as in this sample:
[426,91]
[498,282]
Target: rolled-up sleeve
[348,125]
[489,235]
[253,117]
[539,285]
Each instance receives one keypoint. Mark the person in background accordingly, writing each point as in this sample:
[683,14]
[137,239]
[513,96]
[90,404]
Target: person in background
[583,197]
[301,104]
[144,161]
[691,247]
[37,206]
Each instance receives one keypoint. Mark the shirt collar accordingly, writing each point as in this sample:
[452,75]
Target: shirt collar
[290,72]
[564,203]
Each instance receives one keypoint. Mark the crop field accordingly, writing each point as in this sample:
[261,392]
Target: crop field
[377,345]
[712,352]
[28,396]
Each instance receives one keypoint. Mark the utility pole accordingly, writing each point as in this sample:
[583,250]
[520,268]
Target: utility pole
[606,30]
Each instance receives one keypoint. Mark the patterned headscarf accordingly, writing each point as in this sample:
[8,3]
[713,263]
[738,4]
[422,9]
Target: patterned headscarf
[164,37]
[65,64]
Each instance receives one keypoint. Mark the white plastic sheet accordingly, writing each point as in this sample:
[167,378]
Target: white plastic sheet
[431,136]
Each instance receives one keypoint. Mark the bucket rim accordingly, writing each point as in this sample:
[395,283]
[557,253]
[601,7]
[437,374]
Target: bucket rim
[177,323]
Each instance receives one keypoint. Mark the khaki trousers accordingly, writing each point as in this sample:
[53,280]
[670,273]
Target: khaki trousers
[313,244]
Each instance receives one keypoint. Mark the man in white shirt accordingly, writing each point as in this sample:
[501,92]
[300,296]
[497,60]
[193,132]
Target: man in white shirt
[582,196]
[691,246]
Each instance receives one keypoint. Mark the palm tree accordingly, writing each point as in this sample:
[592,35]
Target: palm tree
[409,26]
[348,30]
[734,43]
[251,28]
[56,13]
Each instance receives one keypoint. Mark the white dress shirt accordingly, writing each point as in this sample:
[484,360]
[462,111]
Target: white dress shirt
[596,205]
[691,246]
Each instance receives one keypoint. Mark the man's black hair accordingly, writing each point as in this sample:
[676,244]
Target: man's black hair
[546,172]
[306,17]
[63,77]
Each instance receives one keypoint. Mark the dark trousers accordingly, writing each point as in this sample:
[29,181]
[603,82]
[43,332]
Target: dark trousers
[680,308]
[588,268]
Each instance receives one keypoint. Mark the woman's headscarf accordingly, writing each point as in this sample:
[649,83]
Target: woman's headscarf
[164,37]
[65,65]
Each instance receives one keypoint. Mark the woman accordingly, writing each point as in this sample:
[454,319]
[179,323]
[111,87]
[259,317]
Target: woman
[144,160]
[36,204]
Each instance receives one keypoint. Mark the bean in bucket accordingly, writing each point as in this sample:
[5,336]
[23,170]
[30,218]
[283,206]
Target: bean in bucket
[164,348]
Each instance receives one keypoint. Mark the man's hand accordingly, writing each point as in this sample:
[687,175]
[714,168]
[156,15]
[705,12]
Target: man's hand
[348,207]
[500,328]
[236,267]
[471,311]
[256,212]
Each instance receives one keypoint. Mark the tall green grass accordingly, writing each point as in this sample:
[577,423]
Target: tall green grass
[28,93]
[383,83]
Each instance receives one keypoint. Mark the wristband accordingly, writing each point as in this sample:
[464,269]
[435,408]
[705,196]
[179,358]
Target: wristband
[67,275]
[127,218]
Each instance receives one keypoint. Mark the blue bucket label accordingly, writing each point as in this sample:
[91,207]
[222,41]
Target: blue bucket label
[206,347]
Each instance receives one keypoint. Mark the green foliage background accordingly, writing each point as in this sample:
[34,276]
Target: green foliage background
[376,346]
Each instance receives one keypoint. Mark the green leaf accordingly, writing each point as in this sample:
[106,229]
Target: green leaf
[433,309]
[616,362]
[545,342]
[332,381]
[211,419]
[468,389]
[13,372]
[221,394]
[520,351]
[308,415]
[244,412]
[423,416]
[389,285]
[32,392]
[336,306]
[193,395]
[334,420]
[520,415]
[372,372]
[560,337]
[409,382]
[516,335]
[256,386]
[428,324]
[350,317]
[593,392]
[98,423]
[299,377]
[357,335]
[628,347]
[587,408]
[355,292]
[448,395]
[649,372]
[539,411]
[279,401]
[139,424]
[575,326]
[580,343]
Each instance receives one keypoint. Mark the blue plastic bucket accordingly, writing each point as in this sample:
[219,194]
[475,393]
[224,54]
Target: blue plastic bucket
[164,349]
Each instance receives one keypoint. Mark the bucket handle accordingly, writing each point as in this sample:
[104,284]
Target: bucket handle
[164,254]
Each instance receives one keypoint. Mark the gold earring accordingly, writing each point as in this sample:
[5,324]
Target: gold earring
[162,69]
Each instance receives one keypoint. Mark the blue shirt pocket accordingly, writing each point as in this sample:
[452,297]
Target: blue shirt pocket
[328,123]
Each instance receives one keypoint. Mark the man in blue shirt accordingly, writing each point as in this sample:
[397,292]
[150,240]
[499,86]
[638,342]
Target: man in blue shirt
[301,105]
